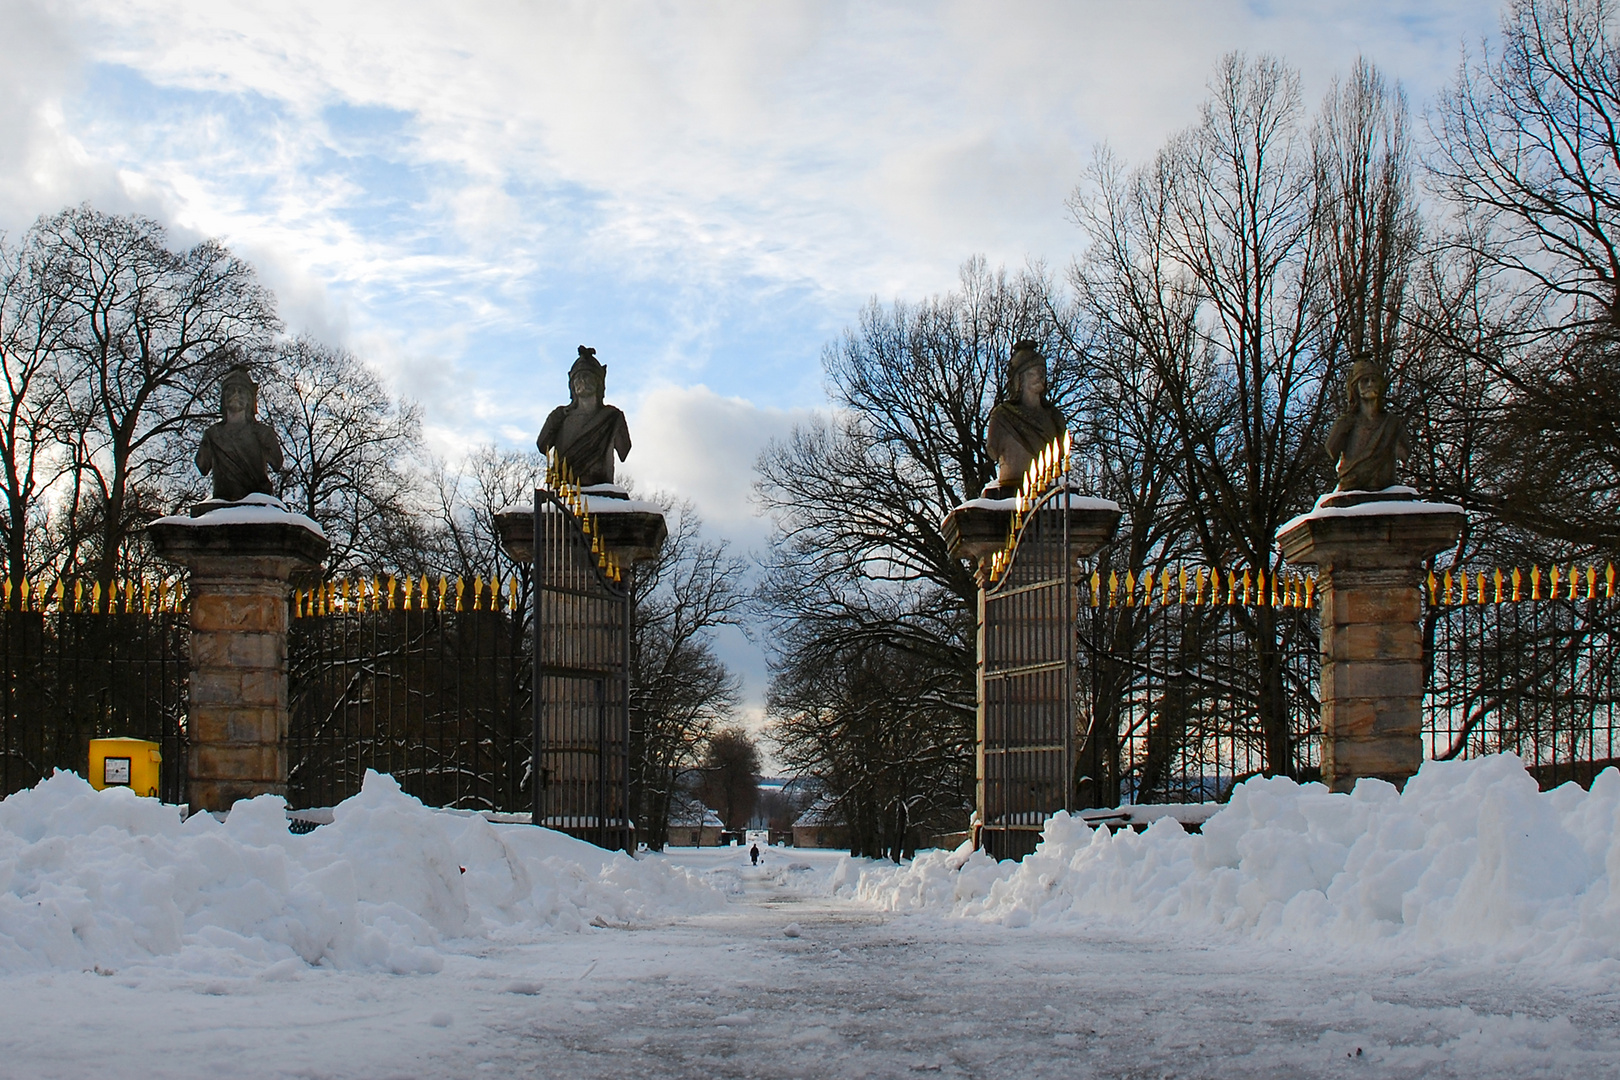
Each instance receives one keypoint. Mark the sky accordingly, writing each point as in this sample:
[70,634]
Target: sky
[707,193]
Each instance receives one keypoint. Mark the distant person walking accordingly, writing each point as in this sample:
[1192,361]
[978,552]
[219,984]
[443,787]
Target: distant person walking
[753,853]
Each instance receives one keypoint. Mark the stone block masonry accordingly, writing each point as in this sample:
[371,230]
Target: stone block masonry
[239,590]
[1369,561]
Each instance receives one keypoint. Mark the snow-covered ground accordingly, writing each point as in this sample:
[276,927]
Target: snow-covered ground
[134,945]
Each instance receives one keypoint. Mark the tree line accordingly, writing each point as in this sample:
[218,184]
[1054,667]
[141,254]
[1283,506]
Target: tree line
[1199,344]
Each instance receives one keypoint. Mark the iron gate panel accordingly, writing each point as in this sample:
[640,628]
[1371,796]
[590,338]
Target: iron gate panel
[1026,745]
[581,683]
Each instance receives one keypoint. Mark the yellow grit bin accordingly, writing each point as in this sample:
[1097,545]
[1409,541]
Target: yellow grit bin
[131,763]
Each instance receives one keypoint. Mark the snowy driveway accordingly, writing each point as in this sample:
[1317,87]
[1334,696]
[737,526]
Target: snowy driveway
[856,993]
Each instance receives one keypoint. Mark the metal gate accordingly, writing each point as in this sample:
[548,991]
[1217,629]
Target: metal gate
[582,621]
[1027,736]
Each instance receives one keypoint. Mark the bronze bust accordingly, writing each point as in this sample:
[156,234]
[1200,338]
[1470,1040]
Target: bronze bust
[239,450]
[1368,440]
[1023,424]
[587,432]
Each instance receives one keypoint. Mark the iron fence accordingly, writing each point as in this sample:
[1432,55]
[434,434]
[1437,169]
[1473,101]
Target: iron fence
[1194,679]
[1525,661]
[1173,683]
[426,681]
[1157,694]
[81,662]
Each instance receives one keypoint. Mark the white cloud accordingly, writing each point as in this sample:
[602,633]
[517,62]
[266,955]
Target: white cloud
[859,147]
[701,446]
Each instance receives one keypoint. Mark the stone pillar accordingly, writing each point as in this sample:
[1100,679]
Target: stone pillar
[241,559]
[1369,559]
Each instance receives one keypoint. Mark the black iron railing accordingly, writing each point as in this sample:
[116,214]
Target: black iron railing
[1179,682]
[1525,660]
[81,662]
[425,680]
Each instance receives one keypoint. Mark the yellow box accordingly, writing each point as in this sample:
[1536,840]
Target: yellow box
[131,763]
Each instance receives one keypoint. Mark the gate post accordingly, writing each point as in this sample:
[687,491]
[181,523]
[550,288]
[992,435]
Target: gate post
[1369,558]
[241,557]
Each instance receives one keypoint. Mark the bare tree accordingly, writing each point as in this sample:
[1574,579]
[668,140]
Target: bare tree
[1225,284]
[1371,230]
[729,773]
[680,690]
[858,561]
[879,731]
[1138,311]
[1528,150]
[466,502]
[31,326]
[146,334]
[353,456]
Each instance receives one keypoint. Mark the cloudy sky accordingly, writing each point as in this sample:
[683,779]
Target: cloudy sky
[706,192]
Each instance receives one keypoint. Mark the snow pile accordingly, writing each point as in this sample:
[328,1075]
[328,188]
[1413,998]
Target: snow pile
[105,878]
[1471,855]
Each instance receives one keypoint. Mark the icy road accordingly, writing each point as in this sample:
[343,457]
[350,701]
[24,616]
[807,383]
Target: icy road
[784,981]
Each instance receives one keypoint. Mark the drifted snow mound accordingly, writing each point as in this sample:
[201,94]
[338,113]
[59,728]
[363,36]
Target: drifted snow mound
[104,878]
[1469,855]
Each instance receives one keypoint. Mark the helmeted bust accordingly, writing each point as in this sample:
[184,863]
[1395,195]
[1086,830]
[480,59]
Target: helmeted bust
[239,450]
[1024,423]
[1368,440]
[587,432]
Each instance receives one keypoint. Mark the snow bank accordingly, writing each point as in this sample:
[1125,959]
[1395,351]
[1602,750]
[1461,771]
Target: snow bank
[104,878]
[1471,855]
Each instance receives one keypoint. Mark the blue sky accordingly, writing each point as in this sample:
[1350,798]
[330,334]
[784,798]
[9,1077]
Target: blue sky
[705,192]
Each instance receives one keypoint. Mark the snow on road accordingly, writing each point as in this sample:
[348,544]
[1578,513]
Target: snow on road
[716,968]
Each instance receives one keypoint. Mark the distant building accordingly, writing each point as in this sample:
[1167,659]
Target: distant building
[818,827]
[781,802]
[692,824]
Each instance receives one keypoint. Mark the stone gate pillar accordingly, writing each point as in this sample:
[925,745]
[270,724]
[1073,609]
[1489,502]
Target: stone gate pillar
[241,557]
[1369,554]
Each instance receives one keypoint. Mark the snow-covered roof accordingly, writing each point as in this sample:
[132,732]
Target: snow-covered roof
[819,815]
[689,813]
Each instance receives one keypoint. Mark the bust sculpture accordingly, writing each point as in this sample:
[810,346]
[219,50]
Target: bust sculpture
[587,432]
[239,451]
[1024,423]
[1368,439]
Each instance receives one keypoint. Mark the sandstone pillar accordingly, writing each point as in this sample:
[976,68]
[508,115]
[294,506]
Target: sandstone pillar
[1369,559]
[241,558]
